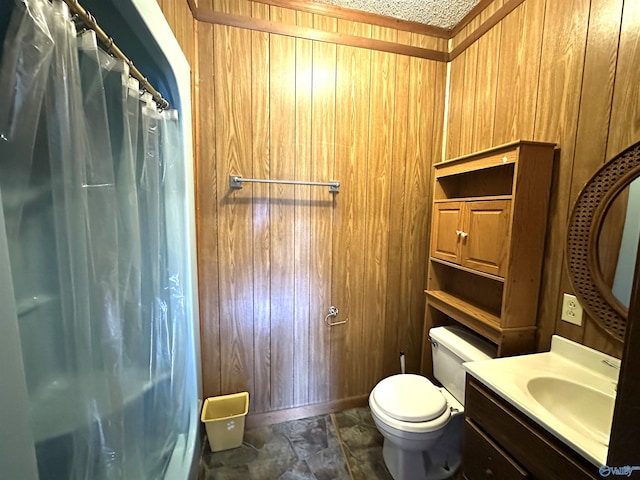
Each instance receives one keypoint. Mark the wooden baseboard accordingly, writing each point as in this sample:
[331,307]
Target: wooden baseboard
[269,418]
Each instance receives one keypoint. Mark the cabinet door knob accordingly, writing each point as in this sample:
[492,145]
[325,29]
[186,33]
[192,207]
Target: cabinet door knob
[464,234]
[488,473]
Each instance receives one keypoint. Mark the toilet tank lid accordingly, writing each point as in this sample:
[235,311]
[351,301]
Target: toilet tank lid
[465,344]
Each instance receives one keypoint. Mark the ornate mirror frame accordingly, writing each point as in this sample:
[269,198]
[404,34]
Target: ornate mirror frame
[584,229]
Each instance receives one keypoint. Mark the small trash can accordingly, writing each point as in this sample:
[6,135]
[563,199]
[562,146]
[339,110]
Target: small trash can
[223,417]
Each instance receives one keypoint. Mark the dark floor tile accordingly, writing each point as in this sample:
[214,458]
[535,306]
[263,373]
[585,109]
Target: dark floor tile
[307,449]
[239,472]
[307,436]
[329,464]
[299,471]
[230,458]
[359,436]
[274,458]
[367,463]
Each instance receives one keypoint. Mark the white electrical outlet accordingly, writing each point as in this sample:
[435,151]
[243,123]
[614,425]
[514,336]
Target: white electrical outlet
[571,310]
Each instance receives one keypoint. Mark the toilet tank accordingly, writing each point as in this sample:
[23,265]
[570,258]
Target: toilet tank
[452,346]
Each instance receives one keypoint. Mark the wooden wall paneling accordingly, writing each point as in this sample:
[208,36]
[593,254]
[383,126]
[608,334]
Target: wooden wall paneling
[303,240]
[282,218]
[593,128]
[207,216]
[236,7]
[486,90]
[378,188]
[353,76]
[625,128]
[456,122]
[261,238]
[561,71]
[322,210]
[509,77]
[469,98]
[396,307]
[232,61]
[421,118]
[205,4]
[529,67]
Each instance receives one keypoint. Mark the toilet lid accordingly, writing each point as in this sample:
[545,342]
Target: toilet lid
[409,398]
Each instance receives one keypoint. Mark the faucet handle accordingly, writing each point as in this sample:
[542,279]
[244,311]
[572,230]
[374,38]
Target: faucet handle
[606,361]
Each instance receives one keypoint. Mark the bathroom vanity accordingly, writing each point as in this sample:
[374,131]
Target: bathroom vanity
[539,416]
[501,443]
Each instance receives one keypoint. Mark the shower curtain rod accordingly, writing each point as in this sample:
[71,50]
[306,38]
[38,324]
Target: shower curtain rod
[90,22]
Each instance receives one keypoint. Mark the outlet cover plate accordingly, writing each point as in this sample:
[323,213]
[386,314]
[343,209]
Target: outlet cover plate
[571,309]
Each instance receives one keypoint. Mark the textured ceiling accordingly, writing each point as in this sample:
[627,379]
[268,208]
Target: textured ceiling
[438,13]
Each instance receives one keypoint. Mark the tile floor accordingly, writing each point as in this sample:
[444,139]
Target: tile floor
[340,446]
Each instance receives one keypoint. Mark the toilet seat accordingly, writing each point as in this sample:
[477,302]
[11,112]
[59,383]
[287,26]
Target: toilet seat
[410,403]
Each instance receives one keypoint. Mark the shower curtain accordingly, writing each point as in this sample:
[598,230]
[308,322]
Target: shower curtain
[92,189]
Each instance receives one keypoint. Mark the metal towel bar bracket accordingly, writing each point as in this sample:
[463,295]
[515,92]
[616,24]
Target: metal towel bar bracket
[236,181]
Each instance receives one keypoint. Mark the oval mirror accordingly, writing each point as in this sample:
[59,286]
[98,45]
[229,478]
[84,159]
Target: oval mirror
[602,241]
[617,244]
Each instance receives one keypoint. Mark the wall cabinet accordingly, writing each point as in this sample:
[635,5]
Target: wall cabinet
[473,234]
[488,228]
[501,443]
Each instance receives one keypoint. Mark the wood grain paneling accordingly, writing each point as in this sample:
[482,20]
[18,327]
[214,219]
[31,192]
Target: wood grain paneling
[303,241]
[323,121]
[279,255]
[260,114]
[273,259]
[353,67]
[282,164]
[378,191]
[397,307]
[562,72]
[232,60]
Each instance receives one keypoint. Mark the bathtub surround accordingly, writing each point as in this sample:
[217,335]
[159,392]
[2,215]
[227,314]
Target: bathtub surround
[96,235]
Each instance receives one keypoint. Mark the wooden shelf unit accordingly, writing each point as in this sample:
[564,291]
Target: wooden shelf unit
[487,244]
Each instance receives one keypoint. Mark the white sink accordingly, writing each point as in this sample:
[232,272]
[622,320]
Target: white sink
[580,407]
[569,391]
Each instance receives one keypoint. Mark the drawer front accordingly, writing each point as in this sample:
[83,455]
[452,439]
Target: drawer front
[482,459]
[541,454]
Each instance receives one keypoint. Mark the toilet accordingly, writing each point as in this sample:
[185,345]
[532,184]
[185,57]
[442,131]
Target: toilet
[420,422]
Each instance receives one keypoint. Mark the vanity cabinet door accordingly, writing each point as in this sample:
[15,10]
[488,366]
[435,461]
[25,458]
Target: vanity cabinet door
[485,238]
[543,456]
[482,459]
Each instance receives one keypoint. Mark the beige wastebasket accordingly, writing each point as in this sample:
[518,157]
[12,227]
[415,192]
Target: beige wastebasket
[223,418]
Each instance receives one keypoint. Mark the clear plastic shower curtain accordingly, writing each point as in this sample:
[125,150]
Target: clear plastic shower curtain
[92,185]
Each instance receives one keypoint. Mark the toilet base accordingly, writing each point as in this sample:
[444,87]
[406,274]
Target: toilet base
[441,461]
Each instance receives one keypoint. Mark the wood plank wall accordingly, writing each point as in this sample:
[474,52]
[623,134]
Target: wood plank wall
[273,259]
[564,72]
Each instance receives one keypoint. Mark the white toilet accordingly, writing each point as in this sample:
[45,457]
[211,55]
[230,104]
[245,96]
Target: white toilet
[421,423]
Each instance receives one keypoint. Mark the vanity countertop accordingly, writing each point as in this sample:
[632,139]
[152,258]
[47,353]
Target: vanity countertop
[569,391]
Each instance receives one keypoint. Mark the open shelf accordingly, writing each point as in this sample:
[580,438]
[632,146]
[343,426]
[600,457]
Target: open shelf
[466,269]
[488,222]
[477,318]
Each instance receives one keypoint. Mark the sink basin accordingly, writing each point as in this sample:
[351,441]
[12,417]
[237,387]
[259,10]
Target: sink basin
[569,391]
[577,406]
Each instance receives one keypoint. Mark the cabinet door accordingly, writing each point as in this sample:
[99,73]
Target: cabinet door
[485,240]
[447,222]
